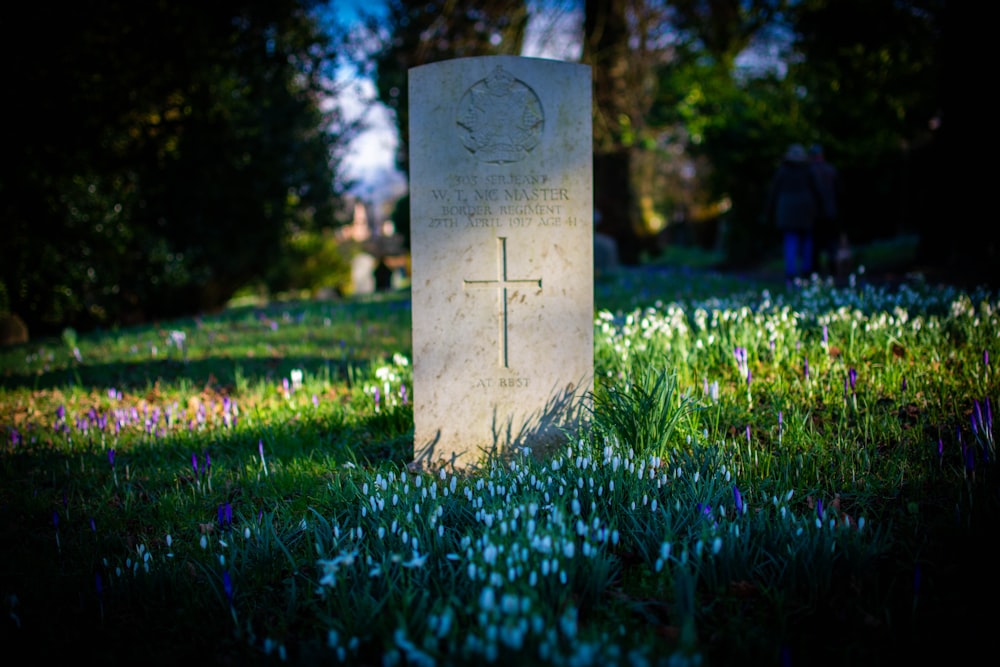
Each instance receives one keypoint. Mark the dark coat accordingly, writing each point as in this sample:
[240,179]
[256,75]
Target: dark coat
[794,202]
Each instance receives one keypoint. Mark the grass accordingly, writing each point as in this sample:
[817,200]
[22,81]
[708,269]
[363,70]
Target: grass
[770,476]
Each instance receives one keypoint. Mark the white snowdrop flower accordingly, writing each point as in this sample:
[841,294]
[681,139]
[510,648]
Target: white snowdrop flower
[788,496]
[416,561]
[533,578]
[819,523]
[562,577]
[359,532]
[246,533]
[659,565]
[633,506]
[381,532]
[204,542]
[472,571]
[395,499]
[490,554]
[611,485]
[568,549]
[453,483]
[576,507]
[615,536]
[798,532]
[665,550]
[170,541]
[394,526]
[861,523]
[332,638]
[698,548]
[652,506]
[716,545]
[441,530]
[545,568]
[697,474]
[728,476]
[782,511]
[487,599]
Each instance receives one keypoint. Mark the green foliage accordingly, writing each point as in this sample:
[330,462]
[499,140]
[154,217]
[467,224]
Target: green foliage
[312,261]
[236,486]
[642,411]
[164,157]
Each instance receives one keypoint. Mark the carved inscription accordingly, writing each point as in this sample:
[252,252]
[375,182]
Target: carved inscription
[495,201]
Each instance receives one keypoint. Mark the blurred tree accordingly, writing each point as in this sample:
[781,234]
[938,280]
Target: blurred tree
[620,69]
[873,74]
[418,32]
[161,153]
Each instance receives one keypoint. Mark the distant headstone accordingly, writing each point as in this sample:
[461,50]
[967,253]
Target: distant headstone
[362,273]
[501,196]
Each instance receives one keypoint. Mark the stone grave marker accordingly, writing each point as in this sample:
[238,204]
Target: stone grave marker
[501,196]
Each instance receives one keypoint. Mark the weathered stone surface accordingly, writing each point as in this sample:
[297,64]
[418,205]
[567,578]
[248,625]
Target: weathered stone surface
[501,193]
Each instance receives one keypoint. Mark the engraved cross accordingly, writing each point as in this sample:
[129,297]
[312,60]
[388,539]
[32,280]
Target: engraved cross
[503,283]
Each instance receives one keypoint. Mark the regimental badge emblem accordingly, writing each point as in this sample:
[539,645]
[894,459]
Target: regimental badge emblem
[500,118]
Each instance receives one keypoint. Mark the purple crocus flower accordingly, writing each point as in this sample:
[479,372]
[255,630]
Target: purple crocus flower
[986,358]
[99,585]
[826,338]
[904,383]
[93,525]
[852,376]
[229,514]
[739,500]
[376,398]
[805,367]
[940,449]
[222,517]
[402,393]
[315,401]
[819,508]
[55,519]
[194,463]
[227,586]
[208,462]
[111,457]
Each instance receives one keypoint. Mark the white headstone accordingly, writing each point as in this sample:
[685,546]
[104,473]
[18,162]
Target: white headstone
[501,196]
[363,273]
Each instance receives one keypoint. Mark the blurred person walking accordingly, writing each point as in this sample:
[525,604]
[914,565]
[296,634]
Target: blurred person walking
[829,235]
[793,205]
